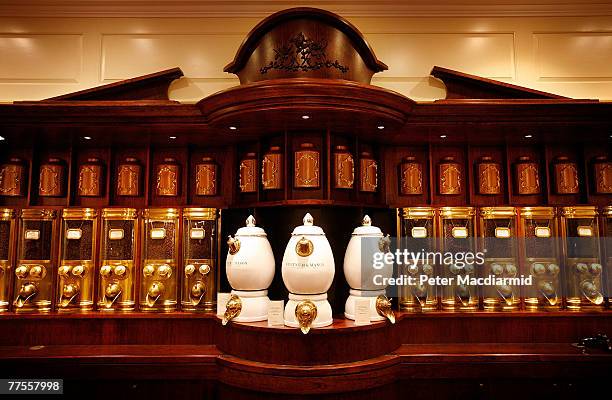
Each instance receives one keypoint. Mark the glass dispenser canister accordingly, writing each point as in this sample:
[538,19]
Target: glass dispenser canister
[76,272]
[272,169]
[206,177]
[368,173]
[7,240]
[307,167]
[116,284]
[52,178]
[565,173]
[499,240]
[344,168]
[200,240]
[449,177]
[457,229]
[13,178]
[418,231]
[248,173]
[129,175]
[602,175]
[33,287]
[91,178]
[168,178]
[159,282]
[607,246]
[526,176]
[540,258]
[411,176]
[489,176]
[583,268]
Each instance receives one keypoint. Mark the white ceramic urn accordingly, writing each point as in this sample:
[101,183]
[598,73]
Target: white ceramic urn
[250,271]
[308,272]
[367,266]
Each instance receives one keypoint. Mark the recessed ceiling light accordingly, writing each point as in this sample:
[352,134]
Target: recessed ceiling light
[442,136]
[528,136]
[232,128]
[1,138]
[381,127]
[172,137]
[87,137]
[305,116]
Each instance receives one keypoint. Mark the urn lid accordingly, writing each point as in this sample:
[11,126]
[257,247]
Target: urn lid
[308,228]
[250,229]
[366,228]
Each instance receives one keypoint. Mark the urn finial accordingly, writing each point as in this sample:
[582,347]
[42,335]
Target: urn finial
[308,220]
[250,221]
[366,221]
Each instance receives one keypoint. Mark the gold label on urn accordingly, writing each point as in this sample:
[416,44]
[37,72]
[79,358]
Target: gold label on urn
[489,178]
[248,178]
[566,177]
[450,178]
[128,180]
[344,168]
[271,171]
[90,180]
[411,174]
[206,179]
[368,181]
[528,178]
[167,180]
[307,168]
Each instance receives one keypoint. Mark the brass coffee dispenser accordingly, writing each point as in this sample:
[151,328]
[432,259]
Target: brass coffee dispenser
[540,258]
[116,286]
[583,269]
[200,236]
[33,288]
[457,227]
[418,233]
[497,226]
[159,283]
[7,241]
[607,247]
[76,272]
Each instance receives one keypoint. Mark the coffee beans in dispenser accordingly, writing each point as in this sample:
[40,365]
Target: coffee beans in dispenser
[583,268]
[33,287]
[200,259]
[540,257]
[76,272]
[159,279]
[116,287]
[7,240]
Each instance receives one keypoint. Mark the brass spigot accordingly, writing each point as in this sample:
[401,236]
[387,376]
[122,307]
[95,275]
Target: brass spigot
[69,292]
[154,293]
[26,291]
[197,292]
[383,308]
[234,244]
[305,314]
[111,293]
[232,309]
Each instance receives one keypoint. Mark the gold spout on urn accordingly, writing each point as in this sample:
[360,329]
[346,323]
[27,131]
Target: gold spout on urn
[383,308]
[305,314]
[232,309]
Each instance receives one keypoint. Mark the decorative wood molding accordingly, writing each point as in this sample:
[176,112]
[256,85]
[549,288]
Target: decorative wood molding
[460,85]
[254,8]
[146,87]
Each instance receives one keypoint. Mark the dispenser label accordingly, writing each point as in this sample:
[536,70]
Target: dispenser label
[73,234]
[502,233]
[115,234]
[542,231]
[585,231]
[418,232]
[196,233]
[32,234]
[158,233]
[459,232]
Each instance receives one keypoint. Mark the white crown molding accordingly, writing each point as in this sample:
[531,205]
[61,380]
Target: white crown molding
[262,8]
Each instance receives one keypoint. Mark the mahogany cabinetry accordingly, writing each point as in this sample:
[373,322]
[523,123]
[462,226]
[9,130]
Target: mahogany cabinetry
[306,132]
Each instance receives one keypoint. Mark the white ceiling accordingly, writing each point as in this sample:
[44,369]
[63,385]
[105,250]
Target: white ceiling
[259,8]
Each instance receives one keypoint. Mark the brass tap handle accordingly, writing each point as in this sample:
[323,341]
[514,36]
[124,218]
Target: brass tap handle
[234,244]
[27,291]
[154,293]
[21,271]
[232,309]
[111,294]
[305,313]
[78,271]
[197,292]
[38,272]
[304,247]
[69,293]
[383,308]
